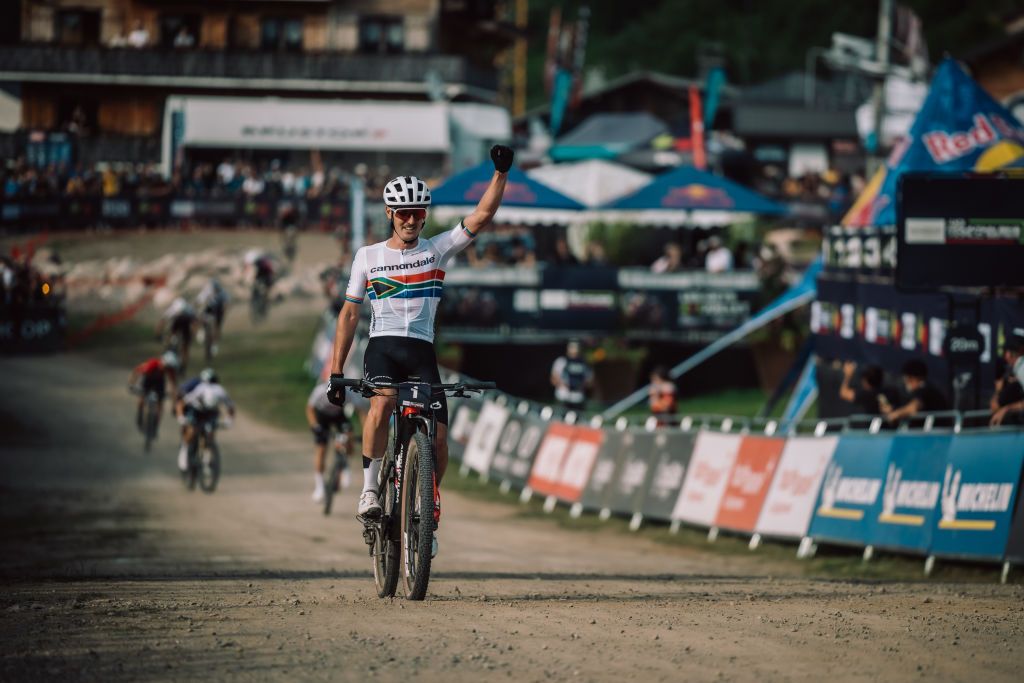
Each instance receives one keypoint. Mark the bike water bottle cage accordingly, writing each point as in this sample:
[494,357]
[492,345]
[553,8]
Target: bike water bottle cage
[414,395]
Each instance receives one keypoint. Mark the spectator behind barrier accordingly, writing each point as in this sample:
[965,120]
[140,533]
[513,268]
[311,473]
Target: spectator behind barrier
[572,378]
[869,397]
[661,395]
[1008,401]
[924,398]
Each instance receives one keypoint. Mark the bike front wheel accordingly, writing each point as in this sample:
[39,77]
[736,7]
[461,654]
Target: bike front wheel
[333,485]
[385,546]
[150,425]
[417,515]
[209,467]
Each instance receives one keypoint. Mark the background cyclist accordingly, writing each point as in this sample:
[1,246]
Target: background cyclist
[211,302]
[201,404]
[153,375]
[403,278]
[321,415]
[178,321]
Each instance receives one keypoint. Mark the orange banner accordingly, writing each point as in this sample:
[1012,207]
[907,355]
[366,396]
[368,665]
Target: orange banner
[748,482]
[564,461]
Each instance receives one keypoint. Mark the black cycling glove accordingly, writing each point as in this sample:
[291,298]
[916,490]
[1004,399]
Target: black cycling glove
[336,390]
[502,157]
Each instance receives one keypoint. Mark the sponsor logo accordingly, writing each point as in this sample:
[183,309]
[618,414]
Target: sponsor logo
[667,478]
[633,476]
[707,474]
[603,472]
[836,488]
[972,497]
[748,480]
[944,147]
[913,495]
[404,266]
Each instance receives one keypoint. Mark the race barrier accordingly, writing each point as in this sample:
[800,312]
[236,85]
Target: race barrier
[935,493]
[32,328]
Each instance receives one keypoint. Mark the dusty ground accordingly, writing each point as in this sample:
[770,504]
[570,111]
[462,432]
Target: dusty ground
[112,571]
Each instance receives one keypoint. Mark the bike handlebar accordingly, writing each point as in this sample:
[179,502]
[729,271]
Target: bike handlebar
[365,386]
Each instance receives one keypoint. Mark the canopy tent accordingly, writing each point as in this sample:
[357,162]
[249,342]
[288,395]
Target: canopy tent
[606,136]
[960,127]
[593,182]
[526,200]
[687,196]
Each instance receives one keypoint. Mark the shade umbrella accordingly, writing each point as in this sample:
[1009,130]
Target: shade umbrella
[525,201]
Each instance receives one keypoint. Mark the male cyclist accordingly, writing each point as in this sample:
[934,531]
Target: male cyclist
[321,415]
[154,374]
[200,405]
[178,320]
[211,302]
[403,278]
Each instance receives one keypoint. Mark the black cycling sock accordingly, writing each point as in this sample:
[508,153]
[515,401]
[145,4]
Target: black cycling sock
[366,462]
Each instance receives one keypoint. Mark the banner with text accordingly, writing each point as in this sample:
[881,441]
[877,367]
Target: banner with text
[705,483]
[672,452]
[788,507]
[516,449]
[484,439]
[748,482]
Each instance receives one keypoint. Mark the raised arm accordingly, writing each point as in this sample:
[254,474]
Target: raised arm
[488,205]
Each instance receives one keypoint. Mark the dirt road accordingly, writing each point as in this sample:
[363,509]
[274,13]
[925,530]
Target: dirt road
[112,571]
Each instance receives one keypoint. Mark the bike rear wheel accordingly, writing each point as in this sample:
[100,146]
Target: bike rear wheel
[417,515]
[332,484]
[150,422]
[386,544]
[209,466]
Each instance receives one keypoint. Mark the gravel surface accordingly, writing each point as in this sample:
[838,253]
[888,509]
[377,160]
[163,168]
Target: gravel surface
[112,571]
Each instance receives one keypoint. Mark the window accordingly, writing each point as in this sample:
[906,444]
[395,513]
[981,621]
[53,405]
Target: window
[381,35]
[78,27]
[179,30]
[281,34]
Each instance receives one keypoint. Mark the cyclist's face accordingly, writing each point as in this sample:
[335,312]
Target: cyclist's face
[408,222]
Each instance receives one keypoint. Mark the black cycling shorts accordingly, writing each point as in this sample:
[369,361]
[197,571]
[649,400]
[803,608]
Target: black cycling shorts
[182,325]
[396,359]
[341,424]
[156,382]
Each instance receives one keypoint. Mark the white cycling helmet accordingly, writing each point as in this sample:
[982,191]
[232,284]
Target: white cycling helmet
[406,192]
[170,359]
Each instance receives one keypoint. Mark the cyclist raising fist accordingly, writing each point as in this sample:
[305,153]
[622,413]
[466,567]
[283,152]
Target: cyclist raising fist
[403,278]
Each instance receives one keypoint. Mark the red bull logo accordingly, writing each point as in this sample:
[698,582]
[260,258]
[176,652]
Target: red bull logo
[944,147]
[698,195]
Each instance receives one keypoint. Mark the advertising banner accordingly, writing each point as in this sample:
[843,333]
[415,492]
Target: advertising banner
[704,485]
[910,494]
[671,456]
[606,470]
[547,466]
[788,507]
[461,428]
[850,496]
[628,488]
[484,439]
[748,482]
[516,449]
[979,489]
[578,464]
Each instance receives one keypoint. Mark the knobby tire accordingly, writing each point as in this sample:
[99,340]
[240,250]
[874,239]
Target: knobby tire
[386,549]
[417,515]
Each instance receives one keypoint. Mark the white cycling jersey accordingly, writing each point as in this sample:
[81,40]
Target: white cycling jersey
[206,396]
[404,285]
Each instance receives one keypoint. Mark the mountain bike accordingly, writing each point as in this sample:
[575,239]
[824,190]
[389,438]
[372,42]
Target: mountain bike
[259,302]
[150,416]
[208,333]
[342,438]
[204,454]
[402,535]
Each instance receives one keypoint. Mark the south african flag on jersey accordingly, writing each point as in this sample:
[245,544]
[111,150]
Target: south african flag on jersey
[421,285]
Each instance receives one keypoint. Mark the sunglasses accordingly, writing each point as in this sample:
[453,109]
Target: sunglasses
[414,214]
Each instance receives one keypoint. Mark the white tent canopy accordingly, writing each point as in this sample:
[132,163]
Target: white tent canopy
[593,182]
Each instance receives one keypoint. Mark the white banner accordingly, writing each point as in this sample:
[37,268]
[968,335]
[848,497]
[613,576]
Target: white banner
[789,504]
[320,124]
[484,439]
[713,457]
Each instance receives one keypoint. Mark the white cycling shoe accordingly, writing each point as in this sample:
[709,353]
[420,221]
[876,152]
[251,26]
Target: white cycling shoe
[318,494]
[368,505]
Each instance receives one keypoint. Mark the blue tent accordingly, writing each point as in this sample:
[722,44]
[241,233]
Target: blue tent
[960,127]
[466,188]
[687,189]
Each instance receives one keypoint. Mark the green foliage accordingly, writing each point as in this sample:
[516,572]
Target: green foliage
[760,40]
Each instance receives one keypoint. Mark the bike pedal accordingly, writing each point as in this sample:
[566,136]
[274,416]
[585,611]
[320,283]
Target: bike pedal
[368,536]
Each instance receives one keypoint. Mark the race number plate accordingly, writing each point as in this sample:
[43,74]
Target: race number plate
[413,394]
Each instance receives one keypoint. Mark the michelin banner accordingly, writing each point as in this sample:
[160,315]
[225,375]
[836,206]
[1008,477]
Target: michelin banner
[910,493]
[980,482]
[788,507]
[850,497]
